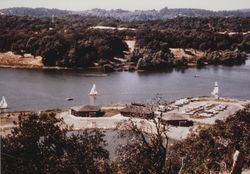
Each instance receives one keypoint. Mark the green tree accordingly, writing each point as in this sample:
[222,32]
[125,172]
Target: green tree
[145,152]
[210,150]
[44,144]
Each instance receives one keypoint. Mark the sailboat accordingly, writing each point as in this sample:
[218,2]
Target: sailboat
[196,76]
[3,103]
[93,91]
[215,91]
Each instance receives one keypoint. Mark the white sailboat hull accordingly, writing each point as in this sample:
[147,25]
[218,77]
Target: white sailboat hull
[92,94]
[215,91]
[3,103]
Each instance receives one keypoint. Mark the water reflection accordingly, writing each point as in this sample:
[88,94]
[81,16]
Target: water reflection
[92,100]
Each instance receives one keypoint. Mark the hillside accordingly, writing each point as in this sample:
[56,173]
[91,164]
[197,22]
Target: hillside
[35,12]
[137,15]
[80,42]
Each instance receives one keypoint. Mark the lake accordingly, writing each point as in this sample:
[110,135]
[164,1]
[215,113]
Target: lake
[26,89]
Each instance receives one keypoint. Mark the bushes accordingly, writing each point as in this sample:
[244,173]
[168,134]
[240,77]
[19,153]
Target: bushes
[43,144]
[212,149]
[151,60]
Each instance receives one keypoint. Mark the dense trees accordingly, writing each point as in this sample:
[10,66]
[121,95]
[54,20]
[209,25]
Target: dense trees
[145,152]
[70,41]
[147,59]
[201,40]
[44,144]
[198,33]
[233,24]
[212,149]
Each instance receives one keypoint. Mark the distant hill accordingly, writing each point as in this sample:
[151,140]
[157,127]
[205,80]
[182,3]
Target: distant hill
[35,12]
[164,13]
[245,10]
[137,15]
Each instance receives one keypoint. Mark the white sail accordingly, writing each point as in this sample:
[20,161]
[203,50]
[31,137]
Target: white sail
[93,91]
[3,103]
[215,91]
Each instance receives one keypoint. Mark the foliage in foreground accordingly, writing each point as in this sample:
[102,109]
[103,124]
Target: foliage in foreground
[211,150]
[43,144]
[144,152]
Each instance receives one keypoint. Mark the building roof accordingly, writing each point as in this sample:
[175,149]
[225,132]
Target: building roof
[88,108]
[174,116]
[136,109]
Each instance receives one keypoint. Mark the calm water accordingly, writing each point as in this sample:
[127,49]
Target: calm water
[43,89]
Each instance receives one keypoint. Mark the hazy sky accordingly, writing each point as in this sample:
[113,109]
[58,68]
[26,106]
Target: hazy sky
[128,4]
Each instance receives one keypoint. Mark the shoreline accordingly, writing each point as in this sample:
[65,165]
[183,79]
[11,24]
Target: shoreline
[113,116]
[35,63]
[102,73]
[85,72]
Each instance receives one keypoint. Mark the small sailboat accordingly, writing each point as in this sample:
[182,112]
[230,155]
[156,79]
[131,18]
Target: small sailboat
[93,91]
[215,91]
[69,98]
[196,76]
[3,103]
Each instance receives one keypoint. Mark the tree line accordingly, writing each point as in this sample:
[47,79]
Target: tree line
[67,42]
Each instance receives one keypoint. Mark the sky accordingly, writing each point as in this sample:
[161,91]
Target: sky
[128,4]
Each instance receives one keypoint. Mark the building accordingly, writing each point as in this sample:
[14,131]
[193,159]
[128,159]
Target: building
[138,111]
[175,119]
[87,111]
[181,102]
